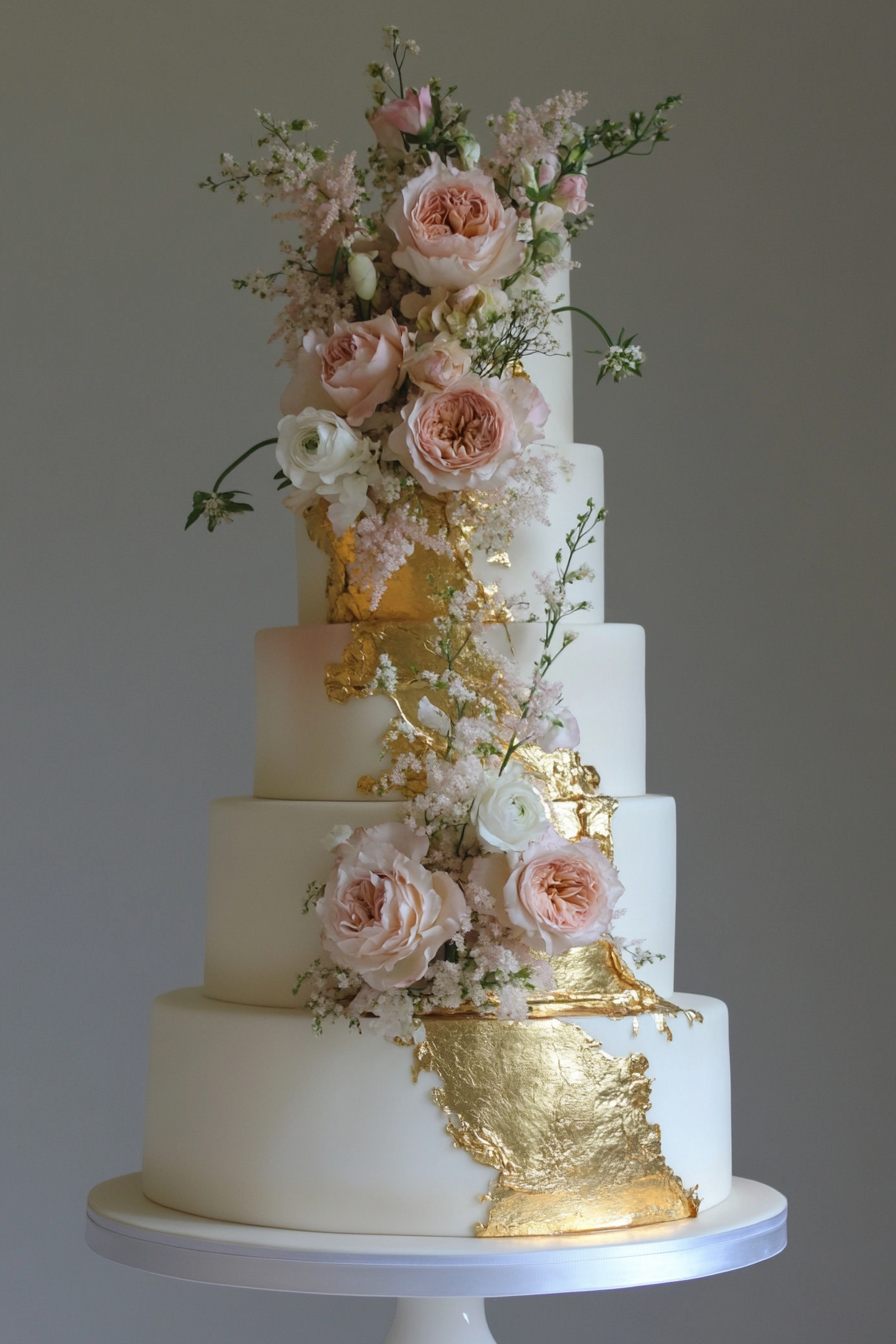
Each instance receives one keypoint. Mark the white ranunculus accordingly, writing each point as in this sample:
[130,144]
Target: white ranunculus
[430,716]
[508,811]
[561,731]
[322,455]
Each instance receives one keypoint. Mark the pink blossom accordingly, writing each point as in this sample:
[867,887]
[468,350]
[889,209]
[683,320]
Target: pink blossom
[463,438]
[360,364]
[570,193]
[561,731]
[528,407]
[452,230]
[547,169]
[407,116]
[383,914]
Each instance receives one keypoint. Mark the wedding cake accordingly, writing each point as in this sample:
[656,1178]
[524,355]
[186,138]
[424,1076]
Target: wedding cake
[439,992]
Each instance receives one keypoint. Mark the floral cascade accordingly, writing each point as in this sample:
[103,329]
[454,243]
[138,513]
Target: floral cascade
[411,437]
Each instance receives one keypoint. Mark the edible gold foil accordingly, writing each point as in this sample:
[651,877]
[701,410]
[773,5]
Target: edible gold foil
[413,649]
[562,1122]
[575,803]
[411,592]
[596,980]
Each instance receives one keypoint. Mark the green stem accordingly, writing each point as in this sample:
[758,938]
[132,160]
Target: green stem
[265,443]
[572,309]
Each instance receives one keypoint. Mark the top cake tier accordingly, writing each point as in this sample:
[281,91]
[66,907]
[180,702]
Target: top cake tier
[327,596]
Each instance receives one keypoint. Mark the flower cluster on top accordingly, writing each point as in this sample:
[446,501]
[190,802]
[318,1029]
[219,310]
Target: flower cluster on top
[406,327]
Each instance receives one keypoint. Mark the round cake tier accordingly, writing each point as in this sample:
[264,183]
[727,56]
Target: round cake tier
[263,853]
[252,1118]
[309,746]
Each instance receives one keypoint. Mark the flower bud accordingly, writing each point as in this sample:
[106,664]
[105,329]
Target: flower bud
[363,275]
[467,148]
[548,247]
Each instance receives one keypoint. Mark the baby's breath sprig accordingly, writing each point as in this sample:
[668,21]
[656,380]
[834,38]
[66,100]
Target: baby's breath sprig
[621,359]
[556,606]
[639,136]
[221,506]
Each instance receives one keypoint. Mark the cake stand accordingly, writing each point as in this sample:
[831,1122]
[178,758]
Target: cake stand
[440,1282]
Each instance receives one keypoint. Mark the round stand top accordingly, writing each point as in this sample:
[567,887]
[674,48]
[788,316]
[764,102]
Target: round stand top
[123,1225]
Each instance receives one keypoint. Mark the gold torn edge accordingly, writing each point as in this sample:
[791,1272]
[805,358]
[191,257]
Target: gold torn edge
[562,1122]
[590,982]
[595,980]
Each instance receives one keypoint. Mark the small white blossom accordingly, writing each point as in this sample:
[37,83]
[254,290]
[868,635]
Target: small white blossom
[432,717]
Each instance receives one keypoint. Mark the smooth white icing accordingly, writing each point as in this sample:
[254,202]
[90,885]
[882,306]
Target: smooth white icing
[251,1118]
[264,852]
[308,746]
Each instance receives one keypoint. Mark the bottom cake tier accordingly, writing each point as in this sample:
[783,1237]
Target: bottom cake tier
[559,1124]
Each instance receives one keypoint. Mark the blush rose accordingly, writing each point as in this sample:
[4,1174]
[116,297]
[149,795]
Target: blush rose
[361,363]
[462,438]
[383,914]
[452,230]
[559,894]
[409,115]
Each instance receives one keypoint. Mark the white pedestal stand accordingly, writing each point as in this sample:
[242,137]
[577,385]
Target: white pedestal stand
[440,1282]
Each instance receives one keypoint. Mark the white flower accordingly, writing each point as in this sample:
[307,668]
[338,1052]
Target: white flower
[547,217]
[561,731]
[508,811]
[432,717]
[322,455]
[336,837]
[622,361]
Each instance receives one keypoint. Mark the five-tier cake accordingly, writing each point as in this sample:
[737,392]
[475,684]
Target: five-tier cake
[439,991]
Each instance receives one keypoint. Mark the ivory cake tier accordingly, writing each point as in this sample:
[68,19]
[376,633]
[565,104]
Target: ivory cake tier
[251,1118]
[263,853]
[308,746]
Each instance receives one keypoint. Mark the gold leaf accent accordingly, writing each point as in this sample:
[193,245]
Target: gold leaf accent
[596,980]
[563,1123]
[575,803]
[412,647]
[412,592]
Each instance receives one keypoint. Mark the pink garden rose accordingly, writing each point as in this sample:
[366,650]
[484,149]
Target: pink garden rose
[360,364]
[559,894]
[570,193]
[463,438]
[383,914]
[452,229]
[409,115]
[433,367]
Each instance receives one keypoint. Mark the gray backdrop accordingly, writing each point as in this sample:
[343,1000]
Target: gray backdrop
[749,478]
